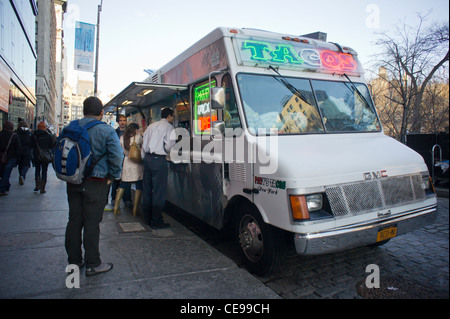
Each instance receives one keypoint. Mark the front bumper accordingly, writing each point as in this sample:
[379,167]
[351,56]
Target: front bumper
[361,234]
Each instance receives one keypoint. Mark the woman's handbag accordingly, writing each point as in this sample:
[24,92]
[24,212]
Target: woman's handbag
[45,156]
[135,152]
[4,154]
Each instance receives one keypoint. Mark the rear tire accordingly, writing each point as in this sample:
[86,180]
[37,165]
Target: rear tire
[261,245]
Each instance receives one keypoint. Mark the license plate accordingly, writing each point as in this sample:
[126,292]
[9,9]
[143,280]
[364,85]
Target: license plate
[387,232]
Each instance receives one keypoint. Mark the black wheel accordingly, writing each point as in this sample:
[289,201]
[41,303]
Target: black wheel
[261,245]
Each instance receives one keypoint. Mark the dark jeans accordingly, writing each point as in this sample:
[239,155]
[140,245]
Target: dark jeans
[127,185]
[23,171]
[126,195]
[6,170]
[155,188]
[40,171]
[86,204]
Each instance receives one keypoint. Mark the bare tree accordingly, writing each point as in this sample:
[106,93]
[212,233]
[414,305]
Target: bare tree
[411,57]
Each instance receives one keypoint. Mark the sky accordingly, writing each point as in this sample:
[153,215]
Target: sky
[146,34]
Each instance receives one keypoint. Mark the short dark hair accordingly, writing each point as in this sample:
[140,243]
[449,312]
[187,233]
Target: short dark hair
[166,112]
[92,106]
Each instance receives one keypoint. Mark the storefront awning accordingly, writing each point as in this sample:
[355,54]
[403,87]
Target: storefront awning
[139,95]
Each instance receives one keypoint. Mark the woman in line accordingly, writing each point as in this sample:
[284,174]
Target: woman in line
[41,139]
[132,171]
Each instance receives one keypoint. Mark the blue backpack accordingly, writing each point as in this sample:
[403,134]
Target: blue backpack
[73,160]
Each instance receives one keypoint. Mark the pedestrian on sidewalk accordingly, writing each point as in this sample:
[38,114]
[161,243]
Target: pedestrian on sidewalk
[24,160]
[10,149]
[87,200]
[133,170]
[41,141]
[157,144]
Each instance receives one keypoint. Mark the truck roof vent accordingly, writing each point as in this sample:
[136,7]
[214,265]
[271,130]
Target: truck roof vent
[322,36]
[155,78]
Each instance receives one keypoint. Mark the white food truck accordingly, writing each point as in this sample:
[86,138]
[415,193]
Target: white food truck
[287,150]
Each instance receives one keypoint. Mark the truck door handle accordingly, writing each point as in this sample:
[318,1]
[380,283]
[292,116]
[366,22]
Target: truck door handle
[250,191]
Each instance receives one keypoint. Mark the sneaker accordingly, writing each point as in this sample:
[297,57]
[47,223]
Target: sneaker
[20,180]
[103,267]
[109,207]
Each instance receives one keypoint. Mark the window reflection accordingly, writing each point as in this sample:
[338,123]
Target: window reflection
[269,103]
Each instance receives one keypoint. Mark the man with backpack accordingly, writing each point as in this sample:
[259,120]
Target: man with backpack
[87,199]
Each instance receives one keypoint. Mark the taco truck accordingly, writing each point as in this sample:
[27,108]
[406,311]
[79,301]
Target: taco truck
[279,139]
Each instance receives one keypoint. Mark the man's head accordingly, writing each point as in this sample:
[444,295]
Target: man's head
[167,113]
[122,119]
[93,107]
[8,126]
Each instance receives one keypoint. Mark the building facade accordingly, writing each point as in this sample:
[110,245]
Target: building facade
[31,59]
[18,57]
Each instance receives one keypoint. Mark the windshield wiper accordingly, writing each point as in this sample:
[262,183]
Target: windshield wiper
[288,85]
[357,91]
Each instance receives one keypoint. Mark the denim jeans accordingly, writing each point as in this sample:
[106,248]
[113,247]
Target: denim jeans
[127,185]
[6,170]
[40,171]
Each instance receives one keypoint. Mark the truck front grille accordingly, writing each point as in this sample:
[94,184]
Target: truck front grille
[363,197]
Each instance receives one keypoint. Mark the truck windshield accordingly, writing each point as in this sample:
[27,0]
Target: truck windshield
[326,106]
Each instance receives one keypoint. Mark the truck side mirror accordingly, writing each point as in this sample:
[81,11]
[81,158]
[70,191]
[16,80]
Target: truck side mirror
[218,129]
[217,98]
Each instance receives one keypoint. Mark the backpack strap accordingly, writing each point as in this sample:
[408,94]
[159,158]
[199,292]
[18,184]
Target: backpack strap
[88,126]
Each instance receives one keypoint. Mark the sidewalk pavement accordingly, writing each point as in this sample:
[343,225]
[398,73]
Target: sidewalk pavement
[164,264]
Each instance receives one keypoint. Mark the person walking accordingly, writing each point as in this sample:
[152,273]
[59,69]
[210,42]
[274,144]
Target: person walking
[24,160]
[10,149]
[156,145]
[87,200]
[41,141]
[133,170]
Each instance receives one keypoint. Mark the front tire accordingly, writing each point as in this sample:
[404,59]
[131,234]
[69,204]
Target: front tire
[261,245]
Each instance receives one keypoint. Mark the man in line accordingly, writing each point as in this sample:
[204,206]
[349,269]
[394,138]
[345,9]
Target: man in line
[122,120]
[87,200]
[156,146]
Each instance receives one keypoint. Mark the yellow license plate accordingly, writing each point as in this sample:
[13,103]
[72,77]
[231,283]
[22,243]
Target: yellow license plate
[386,233]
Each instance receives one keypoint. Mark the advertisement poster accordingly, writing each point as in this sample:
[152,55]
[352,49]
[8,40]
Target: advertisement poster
[84,47]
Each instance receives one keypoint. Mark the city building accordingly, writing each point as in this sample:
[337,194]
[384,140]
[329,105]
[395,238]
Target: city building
[18,57]
[31,59]
[49,76]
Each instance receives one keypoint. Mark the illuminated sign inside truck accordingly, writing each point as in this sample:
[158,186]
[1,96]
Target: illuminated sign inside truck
[202,109]
[303,56]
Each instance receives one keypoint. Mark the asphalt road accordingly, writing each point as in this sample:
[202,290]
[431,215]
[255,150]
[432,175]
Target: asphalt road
[412,266]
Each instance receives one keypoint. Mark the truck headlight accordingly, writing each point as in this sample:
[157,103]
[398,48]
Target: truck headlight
[426,182]
[314,202]
[427,185]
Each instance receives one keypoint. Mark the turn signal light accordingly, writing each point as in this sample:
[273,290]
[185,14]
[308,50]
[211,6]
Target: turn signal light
[299,207]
